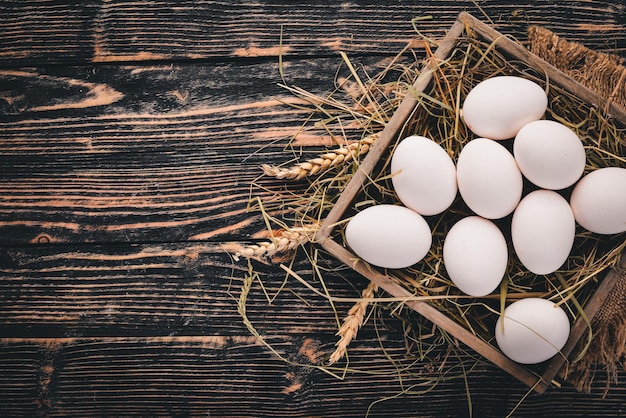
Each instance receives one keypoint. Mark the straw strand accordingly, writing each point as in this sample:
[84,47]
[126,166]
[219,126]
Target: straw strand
[352,322]
[324,162]
[283,240]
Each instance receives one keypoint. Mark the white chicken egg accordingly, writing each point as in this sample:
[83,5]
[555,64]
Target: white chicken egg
[533,330]
[389,236]
[424,175]
[488,178]
[542,231]
[475,255]
[549,154]
[498,107]
[599,201]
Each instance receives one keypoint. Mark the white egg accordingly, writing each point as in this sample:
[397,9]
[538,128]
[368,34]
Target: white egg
[389,236]
[489,180]
[498,107]
[549,154]
[599,201]
[542,231]
[475,255]
[424,176]
[533,330]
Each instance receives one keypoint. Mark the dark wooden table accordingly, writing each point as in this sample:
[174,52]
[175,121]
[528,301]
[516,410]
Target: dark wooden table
[130,133]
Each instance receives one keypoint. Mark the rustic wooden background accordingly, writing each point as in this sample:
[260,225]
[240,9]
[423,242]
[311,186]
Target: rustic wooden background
[130,132]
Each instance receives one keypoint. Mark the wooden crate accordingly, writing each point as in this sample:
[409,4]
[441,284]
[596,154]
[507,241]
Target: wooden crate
[329,237]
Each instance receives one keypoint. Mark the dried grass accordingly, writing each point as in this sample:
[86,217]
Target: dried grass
[352,322]
[282,240]
[324,162]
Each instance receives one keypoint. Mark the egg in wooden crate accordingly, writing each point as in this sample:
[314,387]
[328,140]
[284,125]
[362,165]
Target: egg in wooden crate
[497,108]
[599,201]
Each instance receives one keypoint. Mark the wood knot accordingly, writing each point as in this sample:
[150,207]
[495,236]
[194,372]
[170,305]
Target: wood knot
[42,239]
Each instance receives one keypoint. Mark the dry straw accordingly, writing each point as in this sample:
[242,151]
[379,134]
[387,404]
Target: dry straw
[370,105]
[324,162]
[438,117]
[352,322]
[282,241]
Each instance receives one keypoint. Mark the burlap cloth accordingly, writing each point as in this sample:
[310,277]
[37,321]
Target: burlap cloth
[605,74]
[601,72]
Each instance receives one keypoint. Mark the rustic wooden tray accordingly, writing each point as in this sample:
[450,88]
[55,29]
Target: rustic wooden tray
[329,238]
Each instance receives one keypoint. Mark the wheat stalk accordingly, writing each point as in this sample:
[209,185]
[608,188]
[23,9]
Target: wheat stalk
[322,163]
[352,323]
[282,240]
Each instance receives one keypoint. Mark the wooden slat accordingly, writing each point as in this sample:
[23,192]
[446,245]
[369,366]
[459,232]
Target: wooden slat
[194,376]
[163,153]
[232,376]
[37,31]
[166,202]
[157,289]
[40,31]
[21,365]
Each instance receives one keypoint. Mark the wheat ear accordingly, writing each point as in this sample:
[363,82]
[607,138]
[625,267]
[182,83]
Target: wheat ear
[282,241]
[324,162]
[352,322]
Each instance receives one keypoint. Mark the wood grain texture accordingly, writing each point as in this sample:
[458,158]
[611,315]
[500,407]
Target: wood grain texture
[40,31]
[60,291]
[157,153]
[140,330]
[130,133]
[232,376]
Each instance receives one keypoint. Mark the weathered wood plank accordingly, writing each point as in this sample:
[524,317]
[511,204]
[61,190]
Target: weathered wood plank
[194,376]
[167,202]
[132,328]
[39,31]
[163,153]
[158,289]
[233,376]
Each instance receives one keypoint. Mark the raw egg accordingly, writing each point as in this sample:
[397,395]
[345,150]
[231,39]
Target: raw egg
[389,236]
[599,201]
[488,178]
[549,154]
[542,231]
[532,330]
[475,255]
[424,175]
[498,107]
